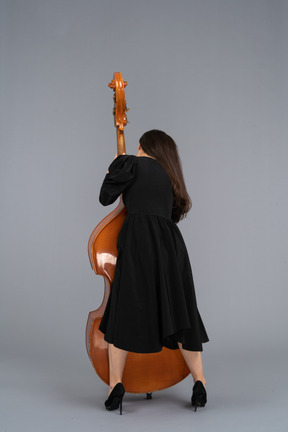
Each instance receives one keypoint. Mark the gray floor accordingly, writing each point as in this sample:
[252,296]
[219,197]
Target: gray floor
[246,392]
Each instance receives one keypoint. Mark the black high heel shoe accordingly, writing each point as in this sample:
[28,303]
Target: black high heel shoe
[199,396]
[115,398]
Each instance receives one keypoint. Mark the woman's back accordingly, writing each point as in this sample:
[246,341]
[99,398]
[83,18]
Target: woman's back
[151,191]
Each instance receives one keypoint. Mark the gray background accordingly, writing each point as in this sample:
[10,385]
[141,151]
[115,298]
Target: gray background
[213,74]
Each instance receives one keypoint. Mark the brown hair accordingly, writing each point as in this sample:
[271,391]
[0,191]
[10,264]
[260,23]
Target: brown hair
[163,148]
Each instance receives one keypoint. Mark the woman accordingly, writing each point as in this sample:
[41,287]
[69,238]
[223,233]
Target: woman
[152,301]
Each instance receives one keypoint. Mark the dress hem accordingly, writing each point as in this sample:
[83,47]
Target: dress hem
[168,346]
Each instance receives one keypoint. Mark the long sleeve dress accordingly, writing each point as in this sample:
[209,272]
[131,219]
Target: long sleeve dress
[152,302]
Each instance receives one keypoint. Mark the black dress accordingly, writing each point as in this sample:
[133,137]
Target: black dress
[152,301]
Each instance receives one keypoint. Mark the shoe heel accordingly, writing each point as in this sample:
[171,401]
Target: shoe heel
[121,407]
[199,396]
[198,400]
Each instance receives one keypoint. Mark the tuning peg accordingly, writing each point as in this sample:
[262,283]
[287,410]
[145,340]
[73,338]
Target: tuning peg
[112,85]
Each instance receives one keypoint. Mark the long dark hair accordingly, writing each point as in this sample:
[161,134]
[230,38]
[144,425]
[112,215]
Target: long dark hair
[163,148]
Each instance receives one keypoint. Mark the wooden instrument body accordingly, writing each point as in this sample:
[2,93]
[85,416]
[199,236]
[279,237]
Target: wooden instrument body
[143,373]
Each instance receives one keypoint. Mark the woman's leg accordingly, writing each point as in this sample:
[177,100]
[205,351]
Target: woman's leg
[117,360]
[194,363]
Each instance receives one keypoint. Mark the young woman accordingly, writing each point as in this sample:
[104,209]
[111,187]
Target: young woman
[152,302]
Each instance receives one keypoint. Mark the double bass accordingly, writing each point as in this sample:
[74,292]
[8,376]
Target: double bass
[143,373]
